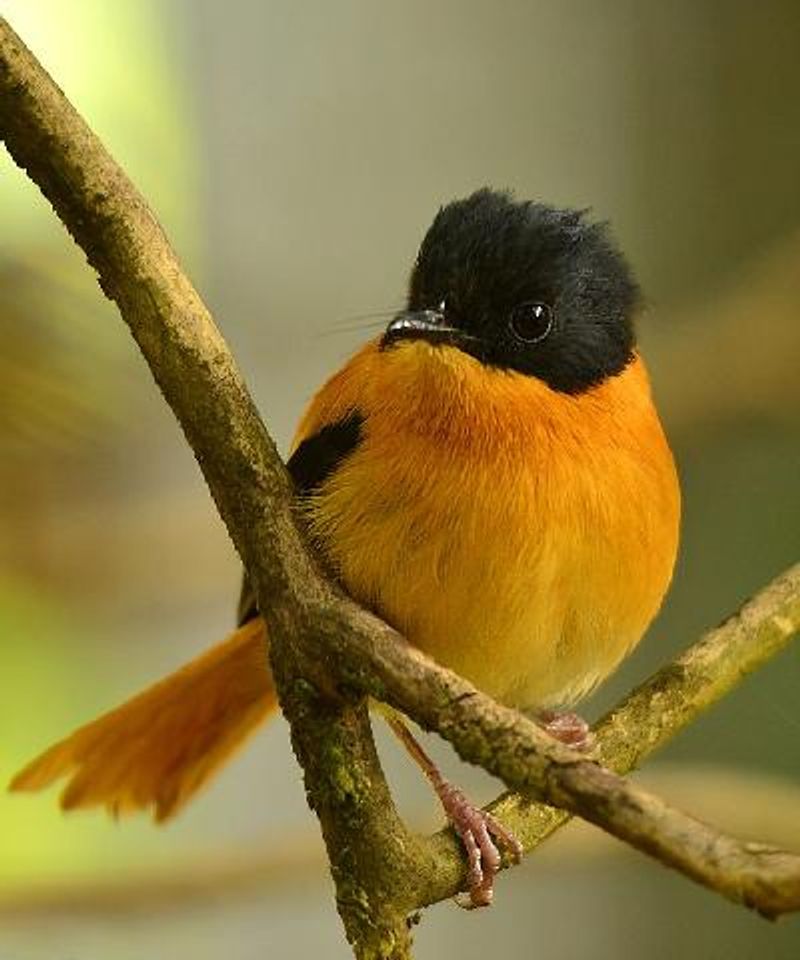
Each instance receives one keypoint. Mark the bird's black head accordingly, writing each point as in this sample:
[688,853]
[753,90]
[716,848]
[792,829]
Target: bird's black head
[524,287]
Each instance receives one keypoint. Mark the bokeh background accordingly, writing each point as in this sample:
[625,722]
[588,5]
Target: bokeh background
[295,153]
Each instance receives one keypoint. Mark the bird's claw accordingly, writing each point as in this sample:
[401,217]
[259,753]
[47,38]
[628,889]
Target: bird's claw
[478,831]
[569,729]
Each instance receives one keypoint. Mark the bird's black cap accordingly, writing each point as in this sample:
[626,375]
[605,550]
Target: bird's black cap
[526,287]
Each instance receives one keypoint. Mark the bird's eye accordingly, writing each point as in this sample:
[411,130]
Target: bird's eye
[531,322]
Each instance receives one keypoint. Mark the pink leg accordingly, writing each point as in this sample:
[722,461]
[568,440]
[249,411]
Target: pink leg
[568,728]
[477,828]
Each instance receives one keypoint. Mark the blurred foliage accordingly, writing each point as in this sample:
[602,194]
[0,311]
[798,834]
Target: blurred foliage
[62,370]
[66,390]
[55,394]
[115,62]
[43,679]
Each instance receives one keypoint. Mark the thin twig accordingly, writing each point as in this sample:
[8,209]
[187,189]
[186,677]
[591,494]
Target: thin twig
[656,711]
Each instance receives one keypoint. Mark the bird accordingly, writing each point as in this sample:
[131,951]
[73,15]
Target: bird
[489,475]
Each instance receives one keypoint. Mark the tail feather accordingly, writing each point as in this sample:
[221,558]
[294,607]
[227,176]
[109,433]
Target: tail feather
[156,751]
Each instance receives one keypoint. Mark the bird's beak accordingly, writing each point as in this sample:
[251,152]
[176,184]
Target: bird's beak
[428,325]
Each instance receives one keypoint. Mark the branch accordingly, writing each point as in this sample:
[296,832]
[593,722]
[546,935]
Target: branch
[197,375]
[328,654]
[517,751]
[654,713]
[270,864]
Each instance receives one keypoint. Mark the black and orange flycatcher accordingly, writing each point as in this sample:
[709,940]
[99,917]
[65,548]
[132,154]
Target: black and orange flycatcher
[489,475]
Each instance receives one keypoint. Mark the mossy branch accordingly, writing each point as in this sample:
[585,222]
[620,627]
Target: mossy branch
[327,653]
[656,711]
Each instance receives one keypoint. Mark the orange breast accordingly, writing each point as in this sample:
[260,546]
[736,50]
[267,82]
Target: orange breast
[524,538]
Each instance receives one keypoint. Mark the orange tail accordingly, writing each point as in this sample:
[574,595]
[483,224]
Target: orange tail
[159,748]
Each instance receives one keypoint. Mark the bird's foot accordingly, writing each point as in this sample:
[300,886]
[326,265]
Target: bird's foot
[478,831]
[568,728]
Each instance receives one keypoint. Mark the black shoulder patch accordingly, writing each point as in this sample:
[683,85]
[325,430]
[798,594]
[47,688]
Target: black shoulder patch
[319,455]
[309,466]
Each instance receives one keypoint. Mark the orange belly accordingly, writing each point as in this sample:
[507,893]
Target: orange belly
[523,538]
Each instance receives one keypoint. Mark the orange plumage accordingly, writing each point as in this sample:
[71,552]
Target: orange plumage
[523,537]
[514,514]
[577,559]
[155,751]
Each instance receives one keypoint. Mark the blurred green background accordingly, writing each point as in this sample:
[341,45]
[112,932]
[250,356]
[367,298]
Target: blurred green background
[295,154]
